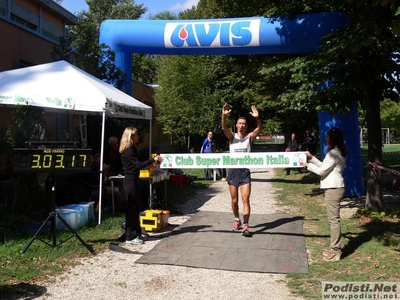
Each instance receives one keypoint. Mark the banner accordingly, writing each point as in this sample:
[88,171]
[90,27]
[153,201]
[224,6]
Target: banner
[38,100]
[255,160]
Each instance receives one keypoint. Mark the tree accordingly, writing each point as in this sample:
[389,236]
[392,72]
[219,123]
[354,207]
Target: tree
[98,60]
[361,61]
[183,104]
[235,79]
[29,125]
[390,114]
[144,65]
[83,39]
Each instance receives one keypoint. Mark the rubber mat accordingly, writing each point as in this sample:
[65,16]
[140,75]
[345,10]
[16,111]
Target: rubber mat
[276,244]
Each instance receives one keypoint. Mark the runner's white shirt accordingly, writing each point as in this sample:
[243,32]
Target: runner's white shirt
[240,145]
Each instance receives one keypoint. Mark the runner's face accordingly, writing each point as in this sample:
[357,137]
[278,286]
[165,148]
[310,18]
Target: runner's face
[241,125]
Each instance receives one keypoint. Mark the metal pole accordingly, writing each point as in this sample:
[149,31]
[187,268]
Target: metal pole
[101,164]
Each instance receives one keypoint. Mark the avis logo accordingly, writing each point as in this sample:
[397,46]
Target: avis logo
[212,34]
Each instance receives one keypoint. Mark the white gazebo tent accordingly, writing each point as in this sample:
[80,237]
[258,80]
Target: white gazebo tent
[62,87]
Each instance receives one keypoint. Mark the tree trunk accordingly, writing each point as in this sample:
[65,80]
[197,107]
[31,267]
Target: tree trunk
[374,185]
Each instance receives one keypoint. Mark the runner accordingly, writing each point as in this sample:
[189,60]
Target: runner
[240,143]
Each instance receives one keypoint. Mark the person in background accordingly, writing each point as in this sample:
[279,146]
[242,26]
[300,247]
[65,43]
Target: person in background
[310,143]
[332,182]
[222,172]
[112,165]
[240,143]
[206,148]
[292,147]
[92,181]
[132,166]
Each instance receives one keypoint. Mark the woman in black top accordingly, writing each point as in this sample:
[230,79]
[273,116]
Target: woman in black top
[132,166]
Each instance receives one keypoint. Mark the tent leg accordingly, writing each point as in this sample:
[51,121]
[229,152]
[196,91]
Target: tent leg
[101,164]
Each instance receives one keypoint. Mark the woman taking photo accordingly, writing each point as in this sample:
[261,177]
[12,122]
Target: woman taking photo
[332,182]
[132,167]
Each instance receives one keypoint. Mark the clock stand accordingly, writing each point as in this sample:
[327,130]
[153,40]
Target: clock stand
[52,160]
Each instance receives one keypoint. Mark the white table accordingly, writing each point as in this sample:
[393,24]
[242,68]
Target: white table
[157,177]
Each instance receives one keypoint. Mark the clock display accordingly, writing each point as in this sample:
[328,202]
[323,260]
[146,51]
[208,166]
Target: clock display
[52,160]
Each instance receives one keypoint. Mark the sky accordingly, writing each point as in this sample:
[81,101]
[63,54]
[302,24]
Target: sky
[153,6]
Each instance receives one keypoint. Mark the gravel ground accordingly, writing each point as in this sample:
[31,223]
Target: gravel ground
[115,275]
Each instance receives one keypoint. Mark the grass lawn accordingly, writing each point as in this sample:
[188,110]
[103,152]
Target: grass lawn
[371,243]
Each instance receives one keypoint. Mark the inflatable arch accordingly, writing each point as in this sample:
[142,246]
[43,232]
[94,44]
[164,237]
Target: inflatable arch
[236,36]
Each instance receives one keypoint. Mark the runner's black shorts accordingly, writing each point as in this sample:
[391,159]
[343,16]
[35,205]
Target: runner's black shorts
[238,177]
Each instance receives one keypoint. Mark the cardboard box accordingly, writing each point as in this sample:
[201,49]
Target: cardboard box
[154,220]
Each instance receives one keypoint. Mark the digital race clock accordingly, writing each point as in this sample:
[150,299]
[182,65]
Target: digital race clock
[52,160]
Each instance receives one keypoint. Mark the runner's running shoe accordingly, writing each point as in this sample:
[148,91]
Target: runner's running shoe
[237,226]
[245,230]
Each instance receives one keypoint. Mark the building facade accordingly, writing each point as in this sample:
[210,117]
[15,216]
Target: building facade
[29,29]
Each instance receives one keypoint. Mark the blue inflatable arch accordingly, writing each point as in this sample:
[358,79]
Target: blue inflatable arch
[239,36]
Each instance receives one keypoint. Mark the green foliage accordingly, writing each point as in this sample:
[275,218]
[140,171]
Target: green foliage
[97,59]
[83,39]
[390,112]
[28,126]
[144,65]
[271,126]
[144,68]
[378,215]
[357,63]
[183,99]
[164,15]
[202,84]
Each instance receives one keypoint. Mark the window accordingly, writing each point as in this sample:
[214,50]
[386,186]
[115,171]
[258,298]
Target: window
[23,22]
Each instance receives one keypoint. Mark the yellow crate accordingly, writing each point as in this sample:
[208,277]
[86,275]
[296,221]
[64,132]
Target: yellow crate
[154,220]
[146,172]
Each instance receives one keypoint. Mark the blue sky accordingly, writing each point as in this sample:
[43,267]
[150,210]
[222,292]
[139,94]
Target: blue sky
[153,6]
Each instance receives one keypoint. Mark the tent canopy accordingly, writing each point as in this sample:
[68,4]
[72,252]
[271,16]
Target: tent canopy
[62,87]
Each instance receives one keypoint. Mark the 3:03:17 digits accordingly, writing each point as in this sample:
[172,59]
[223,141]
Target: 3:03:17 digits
[58,161]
